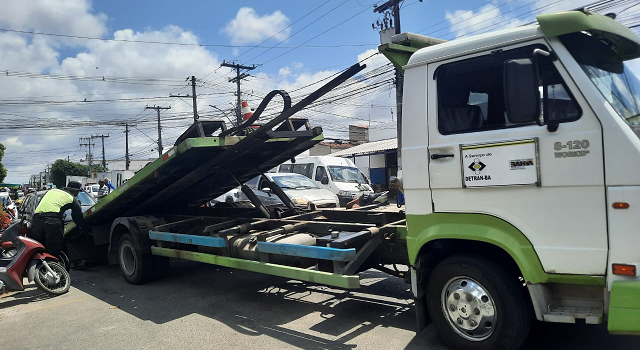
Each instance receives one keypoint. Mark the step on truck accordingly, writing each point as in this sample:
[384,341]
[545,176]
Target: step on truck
[520,168]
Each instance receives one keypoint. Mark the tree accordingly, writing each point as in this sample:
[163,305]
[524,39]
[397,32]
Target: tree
[3,170]
[62,168]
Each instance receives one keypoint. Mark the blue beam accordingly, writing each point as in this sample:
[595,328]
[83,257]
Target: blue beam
[207,241]
[306,251]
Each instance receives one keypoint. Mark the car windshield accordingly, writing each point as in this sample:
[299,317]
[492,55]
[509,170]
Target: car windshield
[611,75]
[297,182]
[346,174]
[85,199]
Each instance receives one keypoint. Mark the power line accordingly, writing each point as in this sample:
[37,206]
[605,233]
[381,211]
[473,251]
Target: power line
[175,43]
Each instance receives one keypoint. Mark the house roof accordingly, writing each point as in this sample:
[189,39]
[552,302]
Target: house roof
[335,145]
[369,148]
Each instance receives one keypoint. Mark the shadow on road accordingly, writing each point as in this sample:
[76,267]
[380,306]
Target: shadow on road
[256,304]
[301,314]
[28,296]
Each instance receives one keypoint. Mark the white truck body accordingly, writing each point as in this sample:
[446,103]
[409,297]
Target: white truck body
[563,182]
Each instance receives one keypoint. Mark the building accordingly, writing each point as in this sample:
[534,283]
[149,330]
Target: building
[358,134]
[378,159]
[328,148]
[134,164]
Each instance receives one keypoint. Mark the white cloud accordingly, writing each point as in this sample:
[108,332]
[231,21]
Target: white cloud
[49,138]
[12,142]
[487,18]
[250,28]
[70,17]
[284,71]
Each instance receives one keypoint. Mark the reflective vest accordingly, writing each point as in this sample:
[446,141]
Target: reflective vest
[53,201]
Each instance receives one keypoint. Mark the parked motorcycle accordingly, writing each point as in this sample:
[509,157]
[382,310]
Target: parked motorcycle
[25,257]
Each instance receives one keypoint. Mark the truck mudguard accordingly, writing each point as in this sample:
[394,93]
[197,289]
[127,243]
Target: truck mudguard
[422,229]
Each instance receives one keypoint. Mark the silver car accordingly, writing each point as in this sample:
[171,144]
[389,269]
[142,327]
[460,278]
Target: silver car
[300,189]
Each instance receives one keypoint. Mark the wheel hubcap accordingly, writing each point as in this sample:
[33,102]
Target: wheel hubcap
[128,260]
[469,308]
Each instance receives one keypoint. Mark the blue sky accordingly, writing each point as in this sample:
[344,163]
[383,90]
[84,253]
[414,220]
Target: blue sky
[58,88]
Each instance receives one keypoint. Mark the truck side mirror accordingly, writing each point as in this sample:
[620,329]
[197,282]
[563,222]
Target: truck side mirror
[521,91]
[267,190]
[325,180]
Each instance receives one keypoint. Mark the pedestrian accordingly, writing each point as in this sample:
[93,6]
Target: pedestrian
[47,227]
[110,186]
[102,190]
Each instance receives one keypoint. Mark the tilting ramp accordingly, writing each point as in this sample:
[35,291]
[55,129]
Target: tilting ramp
[199,169]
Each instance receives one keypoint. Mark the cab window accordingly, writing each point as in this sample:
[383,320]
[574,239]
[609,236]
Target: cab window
[320,173]
[285,168]
[471,93]
[303,169]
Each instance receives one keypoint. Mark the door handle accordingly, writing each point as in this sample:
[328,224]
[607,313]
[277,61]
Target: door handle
[438,156]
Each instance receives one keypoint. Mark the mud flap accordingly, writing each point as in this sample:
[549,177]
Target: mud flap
[419,297]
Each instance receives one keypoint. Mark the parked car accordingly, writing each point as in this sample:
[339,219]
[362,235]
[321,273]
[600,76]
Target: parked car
[32,200]
[300,189]
[28,206]
[336,174]
[92,189]
[230,196]
[86,201]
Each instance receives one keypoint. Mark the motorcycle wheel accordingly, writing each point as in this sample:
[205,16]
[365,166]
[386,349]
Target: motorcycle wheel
[50,284]
[63,259]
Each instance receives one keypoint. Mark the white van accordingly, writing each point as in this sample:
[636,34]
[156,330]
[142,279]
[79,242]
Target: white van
[338,175]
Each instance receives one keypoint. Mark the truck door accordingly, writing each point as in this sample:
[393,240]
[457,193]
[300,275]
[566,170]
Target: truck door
[547,181]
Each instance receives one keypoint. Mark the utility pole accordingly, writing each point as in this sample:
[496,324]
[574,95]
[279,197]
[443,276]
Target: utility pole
[193,95]
[88,144]
[157,108]
[104,160]
[239,76]
[126,145]
[394,6]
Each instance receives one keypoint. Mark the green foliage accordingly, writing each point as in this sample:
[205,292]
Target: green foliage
[3,170]
[62,168]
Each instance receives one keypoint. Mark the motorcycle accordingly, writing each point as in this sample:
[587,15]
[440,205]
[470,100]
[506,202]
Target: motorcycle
[25,257]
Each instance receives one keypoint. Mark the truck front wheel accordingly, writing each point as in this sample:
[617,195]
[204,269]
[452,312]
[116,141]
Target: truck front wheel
[476,304]
[135,267]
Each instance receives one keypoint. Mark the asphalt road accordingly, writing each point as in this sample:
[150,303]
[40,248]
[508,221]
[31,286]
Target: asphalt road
[201,306]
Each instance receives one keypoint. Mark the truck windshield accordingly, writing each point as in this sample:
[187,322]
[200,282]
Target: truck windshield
[345,174]
[610,74]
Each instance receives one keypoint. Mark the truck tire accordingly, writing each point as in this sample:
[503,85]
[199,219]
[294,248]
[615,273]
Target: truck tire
[135,267]
[475,304]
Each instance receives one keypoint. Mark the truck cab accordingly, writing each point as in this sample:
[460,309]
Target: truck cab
[521,154]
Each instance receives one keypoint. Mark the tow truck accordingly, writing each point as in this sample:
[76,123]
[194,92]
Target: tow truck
[521,163]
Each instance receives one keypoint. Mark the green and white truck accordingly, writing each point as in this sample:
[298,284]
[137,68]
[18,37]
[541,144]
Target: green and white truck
[520,166]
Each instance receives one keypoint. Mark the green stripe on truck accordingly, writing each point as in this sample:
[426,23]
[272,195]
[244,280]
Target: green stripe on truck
[422,229]
[321,277]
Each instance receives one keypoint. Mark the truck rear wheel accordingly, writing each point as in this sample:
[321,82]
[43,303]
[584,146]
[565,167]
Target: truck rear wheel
[475,304]
[135,267]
